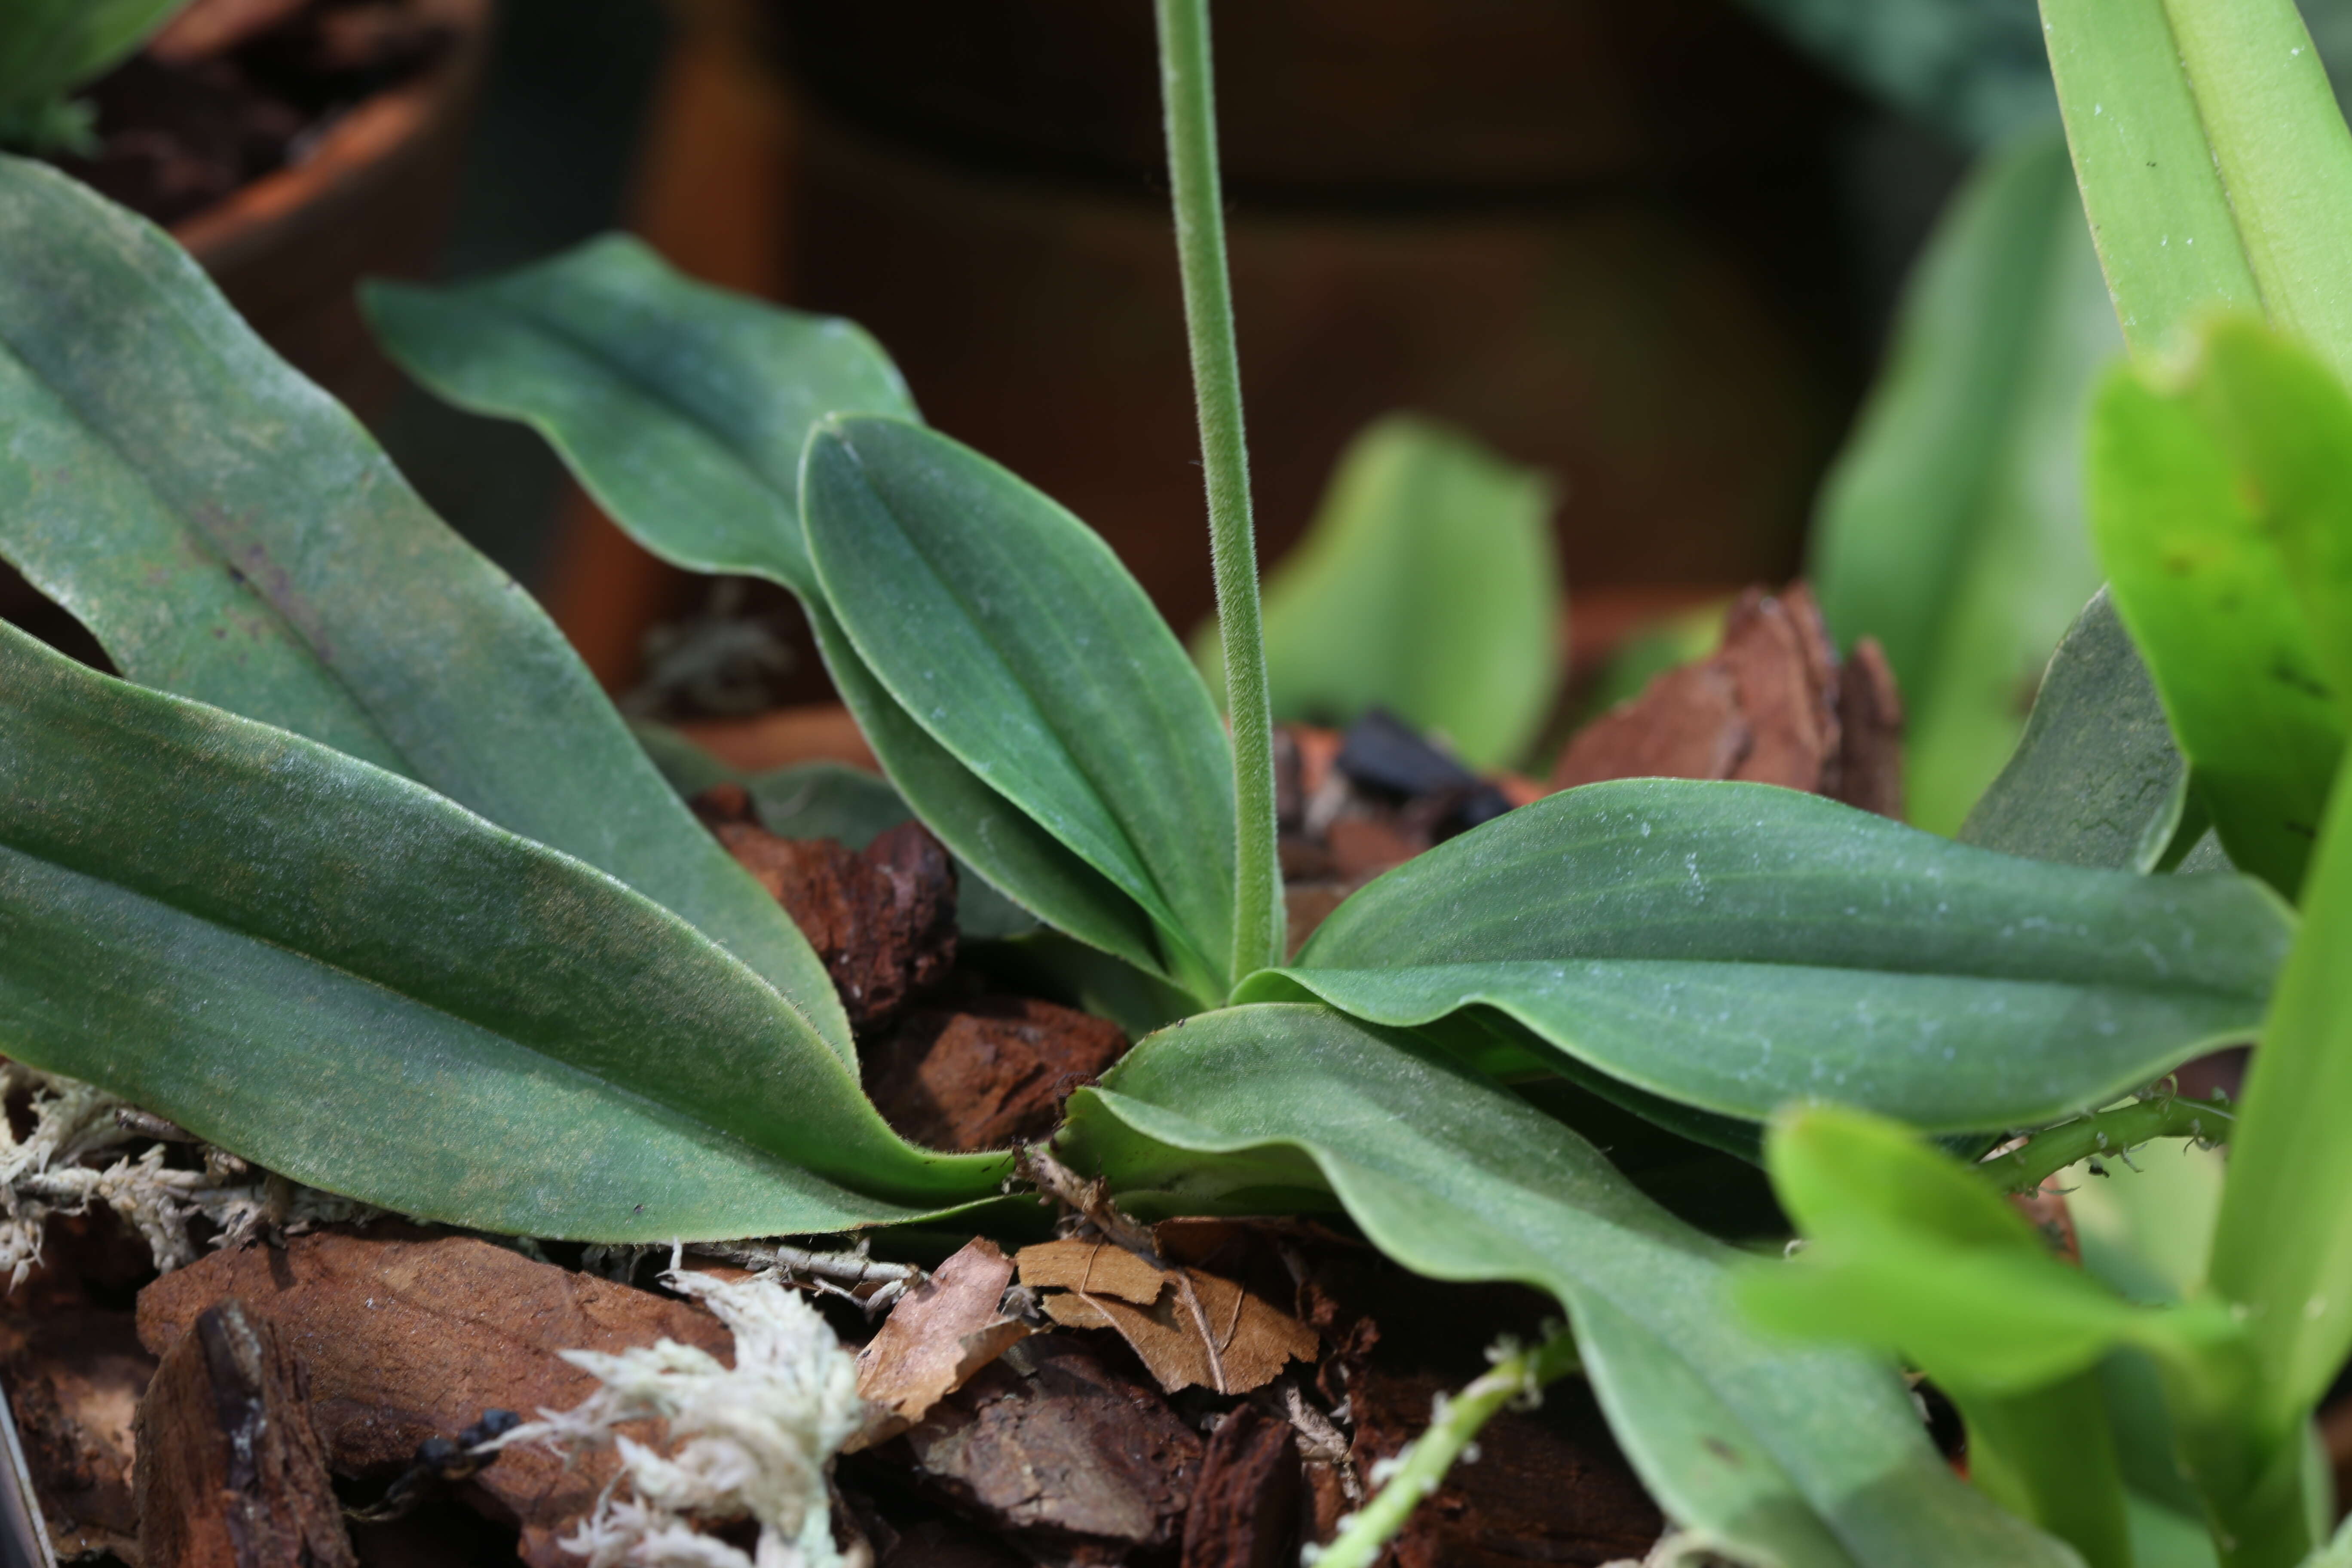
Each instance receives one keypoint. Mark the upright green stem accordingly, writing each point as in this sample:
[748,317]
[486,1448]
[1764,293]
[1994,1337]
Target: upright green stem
[1191,100]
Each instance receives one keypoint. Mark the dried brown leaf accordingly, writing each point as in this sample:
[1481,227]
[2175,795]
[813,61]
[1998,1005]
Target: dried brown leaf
[942,1332]
[1191,1328]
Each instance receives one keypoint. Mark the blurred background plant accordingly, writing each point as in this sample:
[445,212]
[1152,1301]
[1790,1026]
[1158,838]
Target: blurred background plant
[50,48]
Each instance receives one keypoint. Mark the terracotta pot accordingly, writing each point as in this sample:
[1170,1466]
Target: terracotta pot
[1613,341]
[372,198]
[1569,226]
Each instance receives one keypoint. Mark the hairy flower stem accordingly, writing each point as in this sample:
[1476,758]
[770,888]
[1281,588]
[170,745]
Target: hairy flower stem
[1190,96]
[1418,1471]
[2024,1169]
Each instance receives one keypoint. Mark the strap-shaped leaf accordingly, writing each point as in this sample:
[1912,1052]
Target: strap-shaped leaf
[684,409]
[1799,1457]
[1951,527]
[336,971]
[1428,584]
[2198,488]
[229,533]
[1007,630]
[2096,780]
[1736,946]
[2214,164]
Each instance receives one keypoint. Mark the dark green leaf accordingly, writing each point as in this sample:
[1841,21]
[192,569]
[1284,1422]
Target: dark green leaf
[2191,511]
[684,410]
[1736,946]
[1010,634]
[230,534]
[346,977]
[2096,781]
[1427,585]
[1797,1457]
[1950,528]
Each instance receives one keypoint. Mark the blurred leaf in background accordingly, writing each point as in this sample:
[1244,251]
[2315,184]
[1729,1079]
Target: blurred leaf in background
[1427,585]
[1950,528]
[49,48]
[1975,69]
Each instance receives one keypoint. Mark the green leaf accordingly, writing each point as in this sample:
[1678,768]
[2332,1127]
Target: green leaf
[2096,780]
[681,408]
[684,410]
[1009,633]
[2283,1248]
[1794,1457]
[361,984]
[2198,486]
[1736,946]
[2214,163]
[1427,585]
[1909,1252]
[228,533]
[49,48]
[1950,528]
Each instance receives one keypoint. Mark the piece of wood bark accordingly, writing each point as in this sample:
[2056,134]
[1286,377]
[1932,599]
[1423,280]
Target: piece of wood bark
[992,1072]
[1547,1485]
[935,1339]
[882,918]
[1870,732]
[1770,705]
[407,1336]
[231,1473]
[1244,1511]
[1778,656]
[73,1375]
[1075,1463]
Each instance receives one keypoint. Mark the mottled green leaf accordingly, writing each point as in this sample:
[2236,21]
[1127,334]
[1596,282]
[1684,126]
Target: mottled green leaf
[1010,634]
[2096,780]
[1809,1459]
[347,977]
[230,534]
[1736,946]
[1950,528]
[1427,585]
[2199,483]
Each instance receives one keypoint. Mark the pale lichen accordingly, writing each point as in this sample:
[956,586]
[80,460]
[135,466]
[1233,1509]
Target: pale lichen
[752,1441]
[62,1167]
